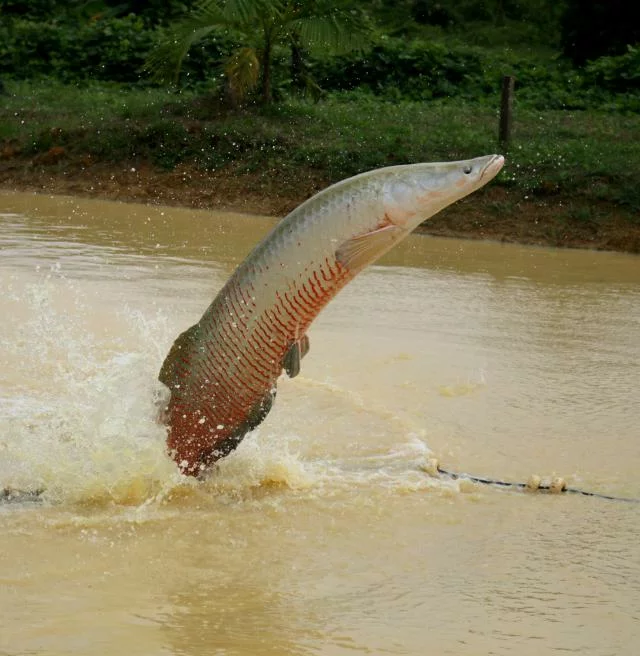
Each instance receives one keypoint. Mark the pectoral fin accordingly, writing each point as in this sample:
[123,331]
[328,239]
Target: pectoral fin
[304,346]
[363,249]
[178,356]
[292,358]
[291,361]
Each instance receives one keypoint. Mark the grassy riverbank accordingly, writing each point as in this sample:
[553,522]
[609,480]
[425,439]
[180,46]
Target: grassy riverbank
[571,178]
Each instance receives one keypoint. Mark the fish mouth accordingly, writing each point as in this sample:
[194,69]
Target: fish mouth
[492,167]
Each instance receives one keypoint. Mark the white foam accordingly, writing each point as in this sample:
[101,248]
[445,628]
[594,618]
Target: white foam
[78,416]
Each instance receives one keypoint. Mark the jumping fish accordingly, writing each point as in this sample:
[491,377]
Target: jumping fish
[222,372]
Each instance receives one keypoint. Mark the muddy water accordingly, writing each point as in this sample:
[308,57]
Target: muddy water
[320,535]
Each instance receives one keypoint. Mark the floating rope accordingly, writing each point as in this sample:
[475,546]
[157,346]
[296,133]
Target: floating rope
[556,485]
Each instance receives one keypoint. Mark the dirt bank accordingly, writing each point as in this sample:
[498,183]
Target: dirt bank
[495,213]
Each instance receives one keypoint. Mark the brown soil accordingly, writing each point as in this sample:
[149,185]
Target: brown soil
[494,213]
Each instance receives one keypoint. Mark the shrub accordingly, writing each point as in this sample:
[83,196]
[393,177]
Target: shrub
[113,49]
[421,70]
[619,74]
[109,49]
[417,70]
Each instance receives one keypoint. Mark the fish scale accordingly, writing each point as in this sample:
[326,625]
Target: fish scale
[222,372]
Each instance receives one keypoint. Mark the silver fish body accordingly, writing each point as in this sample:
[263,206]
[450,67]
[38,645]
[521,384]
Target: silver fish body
[222,372]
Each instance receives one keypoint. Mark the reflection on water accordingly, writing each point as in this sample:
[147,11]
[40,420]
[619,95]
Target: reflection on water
[320,535]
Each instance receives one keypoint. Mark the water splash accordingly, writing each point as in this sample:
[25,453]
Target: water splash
[78,416]
[79,402]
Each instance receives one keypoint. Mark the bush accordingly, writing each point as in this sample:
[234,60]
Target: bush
[420,70]
[109,49]
[417,70]
[618,74]
[112,49]
[115,49]
[596,28]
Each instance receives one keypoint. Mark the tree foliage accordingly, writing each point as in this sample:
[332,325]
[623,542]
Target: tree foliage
[619,74]
[400,17]
[593,28]
[260,26]
[104,49]
[421,49]
[152,12]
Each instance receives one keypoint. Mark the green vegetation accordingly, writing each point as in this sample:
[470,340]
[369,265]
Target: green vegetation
[424,87]
[593,28]
[260,26]
[416,49]
[585,155]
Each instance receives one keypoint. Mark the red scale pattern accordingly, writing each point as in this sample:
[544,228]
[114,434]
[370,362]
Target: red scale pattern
[243,360]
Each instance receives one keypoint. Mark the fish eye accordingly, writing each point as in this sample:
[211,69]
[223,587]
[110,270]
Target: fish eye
[467,169]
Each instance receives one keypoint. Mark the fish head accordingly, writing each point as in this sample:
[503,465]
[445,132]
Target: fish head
[414,193]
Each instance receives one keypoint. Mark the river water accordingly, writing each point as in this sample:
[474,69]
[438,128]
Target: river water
[320,534]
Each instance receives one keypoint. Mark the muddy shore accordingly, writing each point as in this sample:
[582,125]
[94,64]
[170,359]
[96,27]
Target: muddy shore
[495,213]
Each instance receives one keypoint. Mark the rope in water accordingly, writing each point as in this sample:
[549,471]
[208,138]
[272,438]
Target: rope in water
[556,485]
[432,467]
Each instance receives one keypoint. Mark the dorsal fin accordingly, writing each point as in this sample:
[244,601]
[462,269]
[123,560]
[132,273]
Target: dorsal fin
[174,362]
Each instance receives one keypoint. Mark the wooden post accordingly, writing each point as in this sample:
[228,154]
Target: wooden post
[506,111]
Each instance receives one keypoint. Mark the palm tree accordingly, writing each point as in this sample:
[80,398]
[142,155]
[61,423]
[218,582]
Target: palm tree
[331,25]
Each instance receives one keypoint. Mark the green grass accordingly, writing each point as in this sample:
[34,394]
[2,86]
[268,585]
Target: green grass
[591,155]
[46,103]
